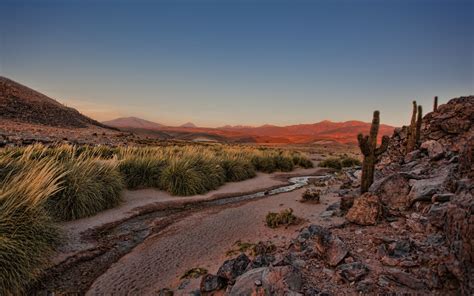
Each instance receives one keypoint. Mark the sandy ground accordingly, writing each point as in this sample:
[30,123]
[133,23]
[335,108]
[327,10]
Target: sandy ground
[202,240]
[138,201]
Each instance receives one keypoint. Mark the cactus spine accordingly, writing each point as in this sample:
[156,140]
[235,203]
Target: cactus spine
[368,147]
[435,104]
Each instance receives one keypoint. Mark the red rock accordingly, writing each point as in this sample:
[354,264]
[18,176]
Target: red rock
[366,210]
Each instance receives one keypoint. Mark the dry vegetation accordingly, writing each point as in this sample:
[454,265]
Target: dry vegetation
[40,185]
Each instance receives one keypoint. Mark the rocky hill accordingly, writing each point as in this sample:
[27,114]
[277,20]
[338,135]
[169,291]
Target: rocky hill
[133,122]
[21,104]
[411,234]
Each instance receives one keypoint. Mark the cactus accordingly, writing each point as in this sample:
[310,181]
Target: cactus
[414,130]
[418,126]
[411,136]
[435,104]
[368,147]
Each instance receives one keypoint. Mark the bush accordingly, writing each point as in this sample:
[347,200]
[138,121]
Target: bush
[285,217]
[27,234]
[339,162]
[283,163]
[142,171]
[191,175]
[89,186]
[237,169]
[334,163]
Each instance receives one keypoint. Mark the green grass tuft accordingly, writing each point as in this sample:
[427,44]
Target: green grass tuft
[285,217]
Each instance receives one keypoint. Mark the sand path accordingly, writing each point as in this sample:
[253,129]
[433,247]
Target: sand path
[202,240]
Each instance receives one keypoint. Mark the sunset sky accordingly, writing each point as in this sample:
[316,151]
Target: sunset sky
[241,62]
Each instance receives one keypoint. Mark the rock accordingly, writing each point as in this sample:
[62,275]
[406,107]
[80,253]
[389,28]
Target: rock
[210,283]
[352,272]
[232,268]
[400,248]
[424,189]
[441,197]
[365,286]
[366,210]
[346,202]
[261,261]
[280,280]
[336,251]
[435,150]
[327,214]
[311,194]
[405,279]
[393,190]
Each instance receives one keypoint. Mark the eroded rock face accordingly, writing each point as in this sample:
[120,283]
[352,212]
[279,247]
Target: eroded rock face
[352,272]
[279,280]
[367,210]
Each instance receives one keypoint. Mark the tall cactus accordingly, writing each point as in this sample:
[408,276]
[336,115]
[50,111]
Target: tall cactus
[435,104]
[418,125]
[411,136]
[368,147]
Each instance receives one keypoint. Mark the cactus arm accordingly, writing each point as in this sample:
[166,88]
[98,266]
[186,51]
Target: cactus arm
[383,146]
[363,144]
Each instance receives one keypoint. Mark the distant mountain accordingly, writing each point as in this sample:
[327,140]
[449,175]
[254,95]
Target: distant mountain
[188,125]
[21,104]
[133,122]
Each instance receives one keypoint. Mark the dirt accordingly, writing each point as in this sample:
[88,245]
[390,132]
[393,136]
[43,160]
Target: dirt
[153,238]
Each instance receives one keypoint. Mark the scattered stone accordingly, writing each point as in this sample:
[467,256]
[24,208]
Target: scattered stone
[327,214]
[336,251]
[346,202]
[352,272]
[232,268]
[280,280]
[435,149]
[366,210]
[405,279]
[443,197]
[393,190]
[212,283]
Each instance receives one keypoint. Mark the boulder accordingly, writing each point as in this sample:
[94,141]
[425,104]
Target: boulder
[366,210]
[232,268]
[434,148]
[393,190]
[279,280]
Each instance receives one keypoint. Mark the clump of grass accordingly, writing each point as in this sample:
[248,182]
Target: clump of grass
[191,175]
[142,171]
[194,273]
[339,162]
[285,217]
[260,248]
[90,186]
[27,233]
[237,168]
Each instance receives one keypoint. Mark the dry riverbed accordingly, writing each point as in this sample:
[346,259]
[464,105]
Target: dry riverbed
[152,239]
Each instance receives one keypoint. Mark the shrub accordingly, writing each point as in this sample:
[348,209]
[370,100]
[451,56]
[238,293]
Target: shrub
[285,217]
[264,164]
[283,163]
[90,185]
[237,169]
[350,162]
[334,163]
[302,161]
[340,162]
[191,175]
[311,194]
[142,171]
[27,234]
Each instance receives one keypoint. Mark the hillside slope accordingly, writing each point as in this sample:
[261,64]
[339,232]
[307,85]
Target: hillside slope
[22,104]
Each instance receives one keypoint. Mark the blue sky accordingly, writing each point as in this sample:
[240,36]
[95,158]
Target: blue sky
[241,62]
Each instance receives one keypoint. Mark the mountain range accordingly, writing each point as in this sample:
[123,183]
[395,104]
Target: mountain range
[20,105]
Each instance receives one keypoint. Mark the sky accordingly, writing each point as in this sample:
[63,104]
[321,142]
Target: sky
[241,62]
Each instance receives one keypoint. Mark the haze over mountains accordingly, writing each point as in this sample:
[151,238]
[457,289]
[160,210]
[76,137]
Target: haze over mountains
[343,132]
[20,105]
